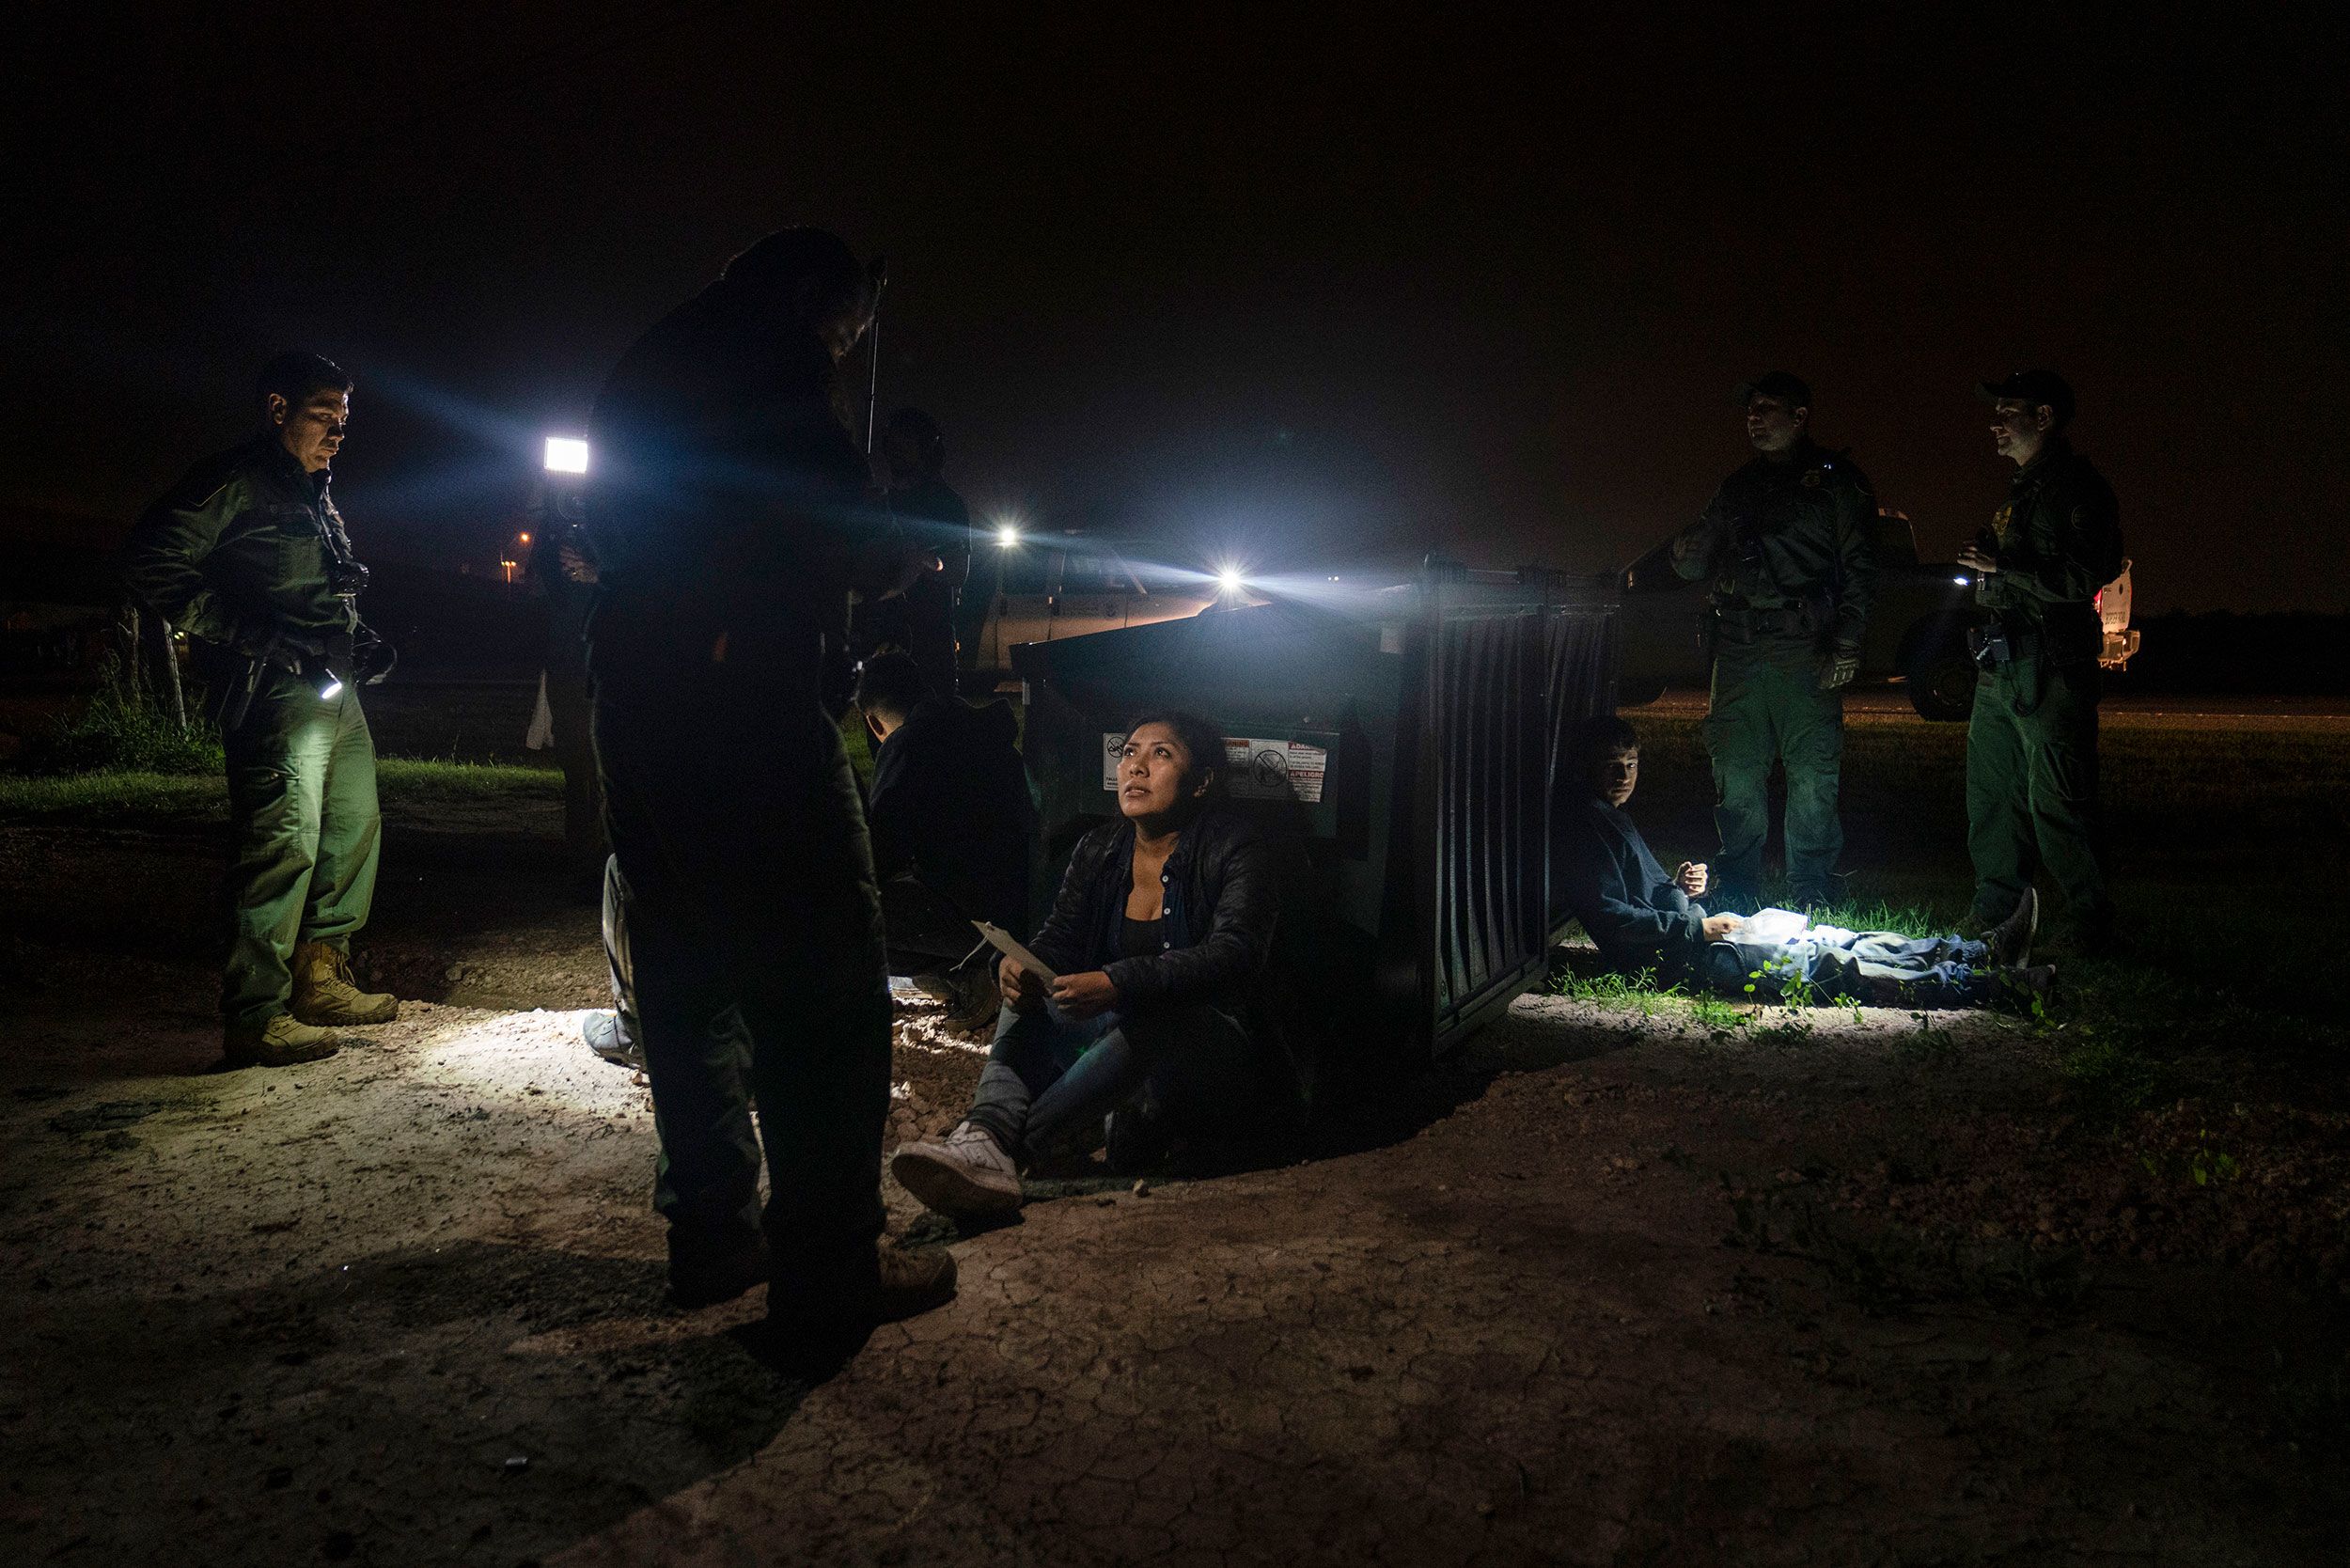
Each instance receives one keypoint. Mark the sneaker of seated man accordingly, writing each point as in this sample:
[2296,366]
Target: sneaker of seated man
[1645,921]
[953,822]
[1160,936]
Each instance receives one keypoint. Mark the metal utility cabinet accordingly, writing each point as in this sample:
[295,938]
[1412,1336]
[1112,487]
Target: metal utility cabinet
[1405,743]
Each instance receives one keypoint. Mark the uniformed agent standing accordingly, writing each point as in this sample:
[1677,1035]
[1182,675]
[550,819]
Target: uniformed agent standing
[915,453]
[566,576]
[729,521]
[1788,544]
[248,556]
[2031,744]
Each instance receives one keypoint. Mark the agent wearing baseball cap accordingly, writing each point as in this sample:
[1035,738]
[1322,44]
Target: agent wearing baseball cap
[2031,746]
[1788,543]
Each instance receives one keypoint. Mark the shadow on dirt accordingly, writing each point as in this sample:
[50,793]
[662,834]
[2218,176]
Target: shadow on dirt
[467,1393]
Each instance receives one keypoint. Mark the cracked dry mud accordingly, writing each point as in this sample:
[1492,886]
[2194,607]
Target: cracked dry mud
[1600,1292]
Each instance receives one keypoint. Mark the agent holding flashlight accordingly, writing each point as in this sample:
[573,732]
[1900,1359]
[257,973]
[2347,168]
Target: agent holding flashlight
[249,557]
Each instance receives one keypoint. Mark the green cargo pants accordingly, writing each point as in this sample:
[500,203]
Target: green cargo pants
[2031,791]
[305,835]
[1767,706]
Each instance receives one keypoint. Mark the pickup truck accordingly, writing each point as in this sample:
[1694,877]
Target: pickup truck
[1046,587]
[1916,630]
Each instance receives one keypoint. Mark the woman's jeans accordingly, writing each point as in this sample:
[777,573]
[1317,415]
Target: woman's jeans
[1050,1080]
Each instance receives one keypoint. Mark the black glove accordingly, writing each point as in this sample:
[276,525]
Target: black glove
[1839,667]
[372,657]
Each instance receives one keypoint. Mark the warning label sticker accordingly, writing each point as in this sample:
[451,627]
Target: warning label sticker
[1255,769]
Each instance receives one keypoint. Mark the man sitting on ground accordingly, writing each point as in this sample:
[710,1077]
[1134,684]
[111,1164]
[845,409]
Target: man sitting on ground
[953,823]
[1147,1032]
[1647,922]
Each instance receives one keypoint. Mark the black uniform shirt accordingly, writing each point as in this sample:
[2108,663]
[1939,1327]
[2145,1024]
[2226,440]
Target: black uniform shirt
[1782,536]
[950,799]
[239,549]
[2058,541]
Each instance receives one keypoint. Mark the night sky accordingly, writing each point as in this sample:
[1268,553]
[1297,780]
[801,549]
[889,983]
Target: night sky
[1308,287]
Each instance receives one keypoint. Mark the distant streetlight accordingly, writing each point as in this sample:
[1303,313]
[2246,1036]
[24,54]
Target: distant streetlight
[566,454]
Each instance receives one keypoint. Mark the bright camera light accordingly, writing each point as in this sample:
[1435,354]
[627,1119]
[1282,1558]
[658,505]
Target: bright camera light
[1228,579]
[1962,582]
[566,454]
[1007,536]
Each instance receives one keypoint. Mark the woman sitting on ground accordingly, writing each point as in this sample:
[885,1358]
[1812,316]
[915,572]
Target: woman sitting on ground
[1160,933]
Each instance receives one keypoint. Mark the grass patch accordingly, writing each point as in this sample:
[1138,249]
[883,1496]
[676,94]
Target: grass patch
[2104,1072]
[412,781]
[1639,992]
[112,797]
[129,797]
[120,730]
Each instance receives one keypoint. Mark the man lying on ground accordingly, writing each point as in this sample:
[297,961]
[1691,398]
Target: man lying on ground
[1159,937]
[1645,921]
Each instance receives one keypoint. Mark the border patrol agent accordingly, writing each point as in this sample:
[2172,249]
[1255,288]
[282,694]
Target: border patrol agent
[249,557]
[729,523]
[2031,744]
[1788,544]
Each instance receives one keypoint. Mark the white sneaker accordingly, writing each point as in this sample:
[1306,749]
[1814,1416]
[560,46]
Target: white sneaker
[967,1174]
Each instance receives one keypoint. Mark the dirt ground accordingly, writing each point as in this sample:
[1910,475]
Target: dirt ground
[1608,1289]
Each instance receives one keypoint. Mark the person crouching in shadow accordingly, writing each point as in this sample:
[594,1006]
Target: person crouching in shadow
[1161,929]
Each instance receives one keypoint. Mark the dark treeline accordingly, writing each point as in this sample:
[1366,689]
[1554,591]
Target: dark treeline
[2223,651]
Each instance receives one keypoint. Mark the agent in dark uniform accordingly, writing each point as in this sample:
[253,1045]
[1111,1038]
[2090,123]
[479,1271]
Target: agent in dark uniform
[936,519]
[565,575]
[926,621]
[731,528]
[954,829]
[1788,544]
[2031,746]
[248,556]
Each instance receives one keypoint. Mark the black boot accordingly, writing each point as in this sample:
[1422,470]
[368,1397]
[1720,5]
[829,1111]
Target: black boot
[2010,941]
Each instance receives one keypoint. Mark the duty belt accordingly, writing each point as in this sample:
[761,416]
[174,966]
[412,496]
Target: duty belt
[1746,624]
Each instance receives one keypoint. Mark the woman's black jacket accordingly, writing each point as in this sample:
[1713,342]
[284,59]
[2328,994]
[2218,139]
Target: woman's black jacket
[1222,899]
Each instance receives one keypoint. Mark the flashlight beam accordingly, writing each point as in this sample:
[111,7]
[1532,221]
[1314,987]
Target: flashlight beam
[566,454]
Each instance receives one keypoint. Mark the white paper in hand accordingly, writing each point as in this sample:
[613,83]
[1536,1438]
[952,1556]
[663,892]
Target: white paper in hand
[1006,943]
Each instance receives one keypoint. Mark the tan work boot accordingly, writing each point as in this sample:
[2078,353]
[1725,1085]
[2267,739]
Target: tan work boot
[322,992]
[281,1041]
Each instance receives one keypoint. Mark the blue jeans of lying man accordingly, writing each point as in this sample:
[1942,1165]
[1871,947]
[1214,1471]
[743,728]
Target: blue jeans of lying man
[1050,1080]
[1830,963]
